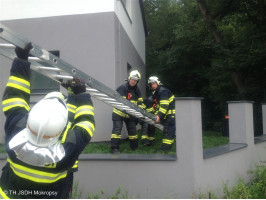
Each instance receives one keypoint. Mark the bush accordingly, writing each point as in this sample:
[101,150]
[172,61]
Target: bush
[255,189]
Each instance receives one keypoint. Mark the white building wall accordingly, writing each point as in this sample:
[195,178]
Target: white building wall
[133,24]
[21,9]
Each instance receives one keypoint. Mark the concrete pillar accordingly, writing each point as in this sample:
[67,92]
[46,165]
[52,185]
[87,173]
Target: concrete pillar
[241,126]
[189,129]
[264,118]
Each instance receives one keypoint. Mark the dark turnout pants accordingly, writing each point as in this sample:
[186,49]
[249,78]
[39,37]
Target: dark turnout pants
[148,132]
[117,128]
[168,133]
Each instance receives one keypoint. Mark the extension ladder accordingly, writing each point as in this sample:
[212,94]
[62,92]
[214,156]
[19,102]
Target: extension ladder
[57,69]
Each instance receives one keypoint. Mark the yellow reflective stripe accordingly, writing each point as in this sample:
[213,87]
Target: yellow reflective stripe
[3,195]
[164,102]
[150,109]
[144,137]
[151,138]
[133,137]
[135,102]
[166,141]
[171,98]
[140,99]
[88,126]
[14,102]
[120,113]
[162,110]
[35,175]
[115,136]
[84,110]
[76,164]
[53,165]
[19,84]
[65,132]
[169,112]
[124,97]
[71,108]
[142,106]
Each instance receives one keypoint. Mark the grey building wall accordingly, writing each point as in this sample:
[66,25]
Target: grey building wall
[94,43]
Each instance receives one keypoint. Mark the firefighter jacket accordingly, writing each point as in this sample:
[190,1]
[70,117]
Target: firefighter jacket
[130,93]
[165,104]
[21,180]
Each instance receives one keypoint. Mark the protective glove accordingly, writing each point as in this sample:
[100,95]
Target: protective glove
[24,53]
[75,86]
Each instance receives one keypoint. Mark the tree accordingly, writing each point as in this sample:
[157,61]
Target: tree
[209,48]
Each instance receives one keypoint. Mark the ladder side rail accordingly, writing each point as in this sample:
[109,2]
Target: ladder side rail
[52,60]
[94,92]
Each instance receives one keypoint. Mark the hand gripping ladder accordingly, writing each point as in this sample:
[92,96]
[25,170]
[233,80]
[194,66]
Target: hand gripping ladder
[57,69]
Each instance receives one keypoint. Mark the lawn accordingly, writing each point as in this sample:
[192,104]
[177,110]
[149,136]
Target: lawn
[210,139]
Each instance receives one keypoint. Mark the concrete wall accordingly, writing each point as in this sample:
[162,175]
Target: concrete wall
[194,171]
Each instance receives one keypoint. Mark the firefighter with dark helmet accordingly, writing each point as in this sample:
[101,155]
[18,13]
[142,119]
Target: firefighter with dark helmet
[165,111]
[39,164]
[131,92]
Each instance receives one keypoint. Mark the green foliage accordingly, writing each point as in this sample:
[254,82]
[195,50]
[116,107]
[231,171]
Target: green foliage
[255,189]
[76,192]
[181,49]
[120,193]
[213,139]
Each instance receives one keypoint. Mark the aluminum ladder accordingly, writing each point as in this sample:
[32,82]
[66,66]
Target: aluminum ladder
[57,69]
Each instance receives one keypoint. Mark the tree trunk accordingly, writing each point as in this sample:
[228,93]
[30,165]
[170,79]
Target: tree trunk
[218,37]
[209,20]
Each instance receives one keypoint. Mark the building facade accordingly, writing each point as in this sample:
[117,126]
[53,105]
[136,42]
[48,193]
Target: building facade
[103,38]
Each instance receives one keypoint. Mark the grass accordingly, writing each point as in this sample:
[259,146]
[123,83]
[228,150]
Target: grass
[104,147]
[213,139]
[210,139]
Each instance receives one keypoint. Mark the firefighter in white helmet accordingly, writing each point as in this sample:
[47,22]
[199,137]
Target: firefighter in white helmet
[39,161]
[164,111]
[131,92]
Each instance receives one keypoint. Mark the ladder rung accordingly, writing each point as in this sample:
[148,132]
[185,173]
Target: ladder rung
[100,94]
[108,99]
[35,59]
[92,90]
[7,46]
[49,69]
[63,77]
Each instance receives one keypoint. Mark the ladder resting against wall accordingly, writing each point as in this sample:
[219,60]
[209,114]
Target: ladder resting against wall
[57,69]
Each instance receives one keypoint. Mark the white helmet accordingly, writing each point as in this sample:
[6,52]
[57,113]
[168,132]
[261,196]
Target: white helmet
[47,120]
[134,75]
[154,79]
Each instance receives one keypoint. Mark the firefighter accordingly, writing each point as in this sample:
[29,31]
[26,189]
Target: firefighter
[131,92]
[38,164]
[148,130]
[164,111]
